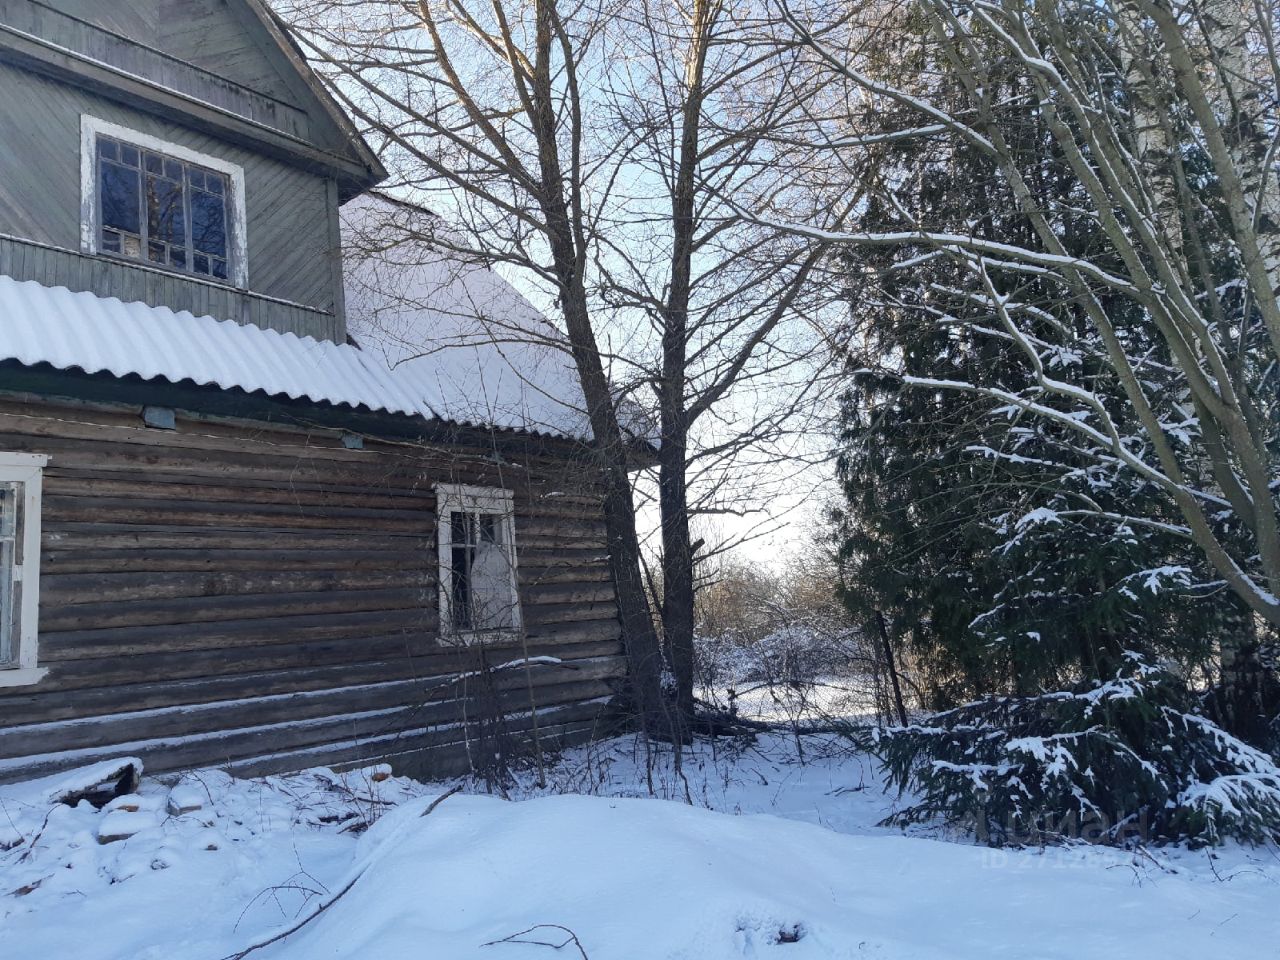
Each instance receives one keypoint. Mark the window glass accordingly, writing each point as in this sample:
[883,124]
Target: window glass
[461,554]
[121,199]
[9,499]
[208,223]
[162,210]
[480,572]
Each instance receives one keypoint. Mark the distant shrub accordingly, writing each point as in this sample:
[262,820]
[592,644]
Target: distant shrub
[795,653]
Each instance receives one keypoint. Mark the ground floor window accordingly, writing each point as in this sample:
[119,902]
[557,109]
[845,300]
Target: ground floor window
[478,591]
[20,487]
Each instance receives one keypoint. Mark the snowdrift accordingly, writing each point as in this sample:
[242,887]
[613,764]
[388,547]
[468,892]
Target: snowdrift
[207,867]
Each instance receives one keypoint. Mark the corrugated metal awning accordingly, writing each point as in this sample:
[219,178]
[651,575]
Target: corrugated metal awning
[67,330]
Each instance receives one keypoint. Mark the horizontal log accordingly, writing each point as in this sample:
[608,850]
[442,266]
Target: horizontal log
[581,632]
[251,457]
[553,615]
[120,659]
[40,703]
[117,536]
[189,664]
[30,415]
[64,589]
[443,753]
[60,511]
[445,760]
[202,513]
[575,594]
[101,427]
[188,720]
[414,722]
[154,486]
[248,460]
[138,613]
[547,575]
[136,553]
[146,559]
[418,496]
[177,601]
[412,486]
[230,634]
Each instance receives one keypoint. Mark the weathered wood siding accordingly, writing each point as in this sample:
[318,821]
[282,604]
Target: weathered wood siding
[263,598]
[291,213]
[56,267]
[194,47]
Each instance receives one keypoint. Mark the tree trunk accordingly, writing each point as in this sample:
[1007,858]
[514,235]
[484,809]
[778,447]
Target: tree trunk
[677,575]
[677,552]
[640,638]
[1243,101]
[892,668]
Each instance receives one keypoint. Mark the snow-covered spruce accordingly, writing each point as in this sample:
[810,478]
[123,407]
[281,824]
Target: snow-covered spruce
[1124,761]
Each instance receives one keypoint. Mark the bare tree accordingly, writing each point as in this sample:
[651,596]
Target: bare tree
[590,148]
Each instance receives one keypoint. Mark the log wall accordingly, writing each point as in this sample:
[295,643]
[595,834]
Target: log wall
[261,598]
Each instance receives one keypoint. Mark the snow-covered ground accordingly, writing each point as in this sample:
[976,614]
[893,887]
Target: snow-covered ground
[771,858]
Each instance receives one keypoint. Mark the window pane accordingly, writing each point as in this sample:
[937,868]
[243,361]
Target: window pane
[165,220]
[460,570]
[492,599]
[9,498]
[107,149]
[200,263]
[216,183]
[155,163]
[208,223]
[128,155]
[173,169]
[120,200]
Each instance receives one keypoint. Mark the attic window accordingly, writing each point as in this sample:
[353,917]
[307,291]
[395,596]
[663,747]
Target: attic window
[162,205]
[478,592]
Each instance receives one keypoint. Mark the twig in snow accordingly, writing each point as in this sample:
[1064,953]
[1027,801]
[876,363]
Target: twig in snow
[572,938]
[276,938]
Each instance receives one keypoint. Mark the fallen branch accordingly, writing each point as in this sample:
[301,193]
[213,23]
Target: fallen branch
[572,938]
[276,938]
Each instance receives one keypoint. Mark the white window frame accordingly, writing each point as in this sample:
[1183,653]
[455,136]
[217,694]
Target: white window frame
[27,469]
[90,227]
[451,497]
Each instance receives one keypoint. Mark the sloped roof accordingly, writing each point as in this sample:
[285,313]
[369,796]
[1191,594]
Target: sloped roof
[438,339]
[476,347]
[82,331]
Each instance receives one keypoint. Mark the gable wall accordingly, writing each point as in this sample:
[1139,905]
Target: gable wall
[261,598]
[152,39]
[207,34]
[292,214]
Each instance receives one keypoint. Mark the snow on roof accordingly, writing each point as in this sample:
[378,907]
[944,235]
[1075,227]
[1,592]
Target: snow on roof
[465,335]
[437,338]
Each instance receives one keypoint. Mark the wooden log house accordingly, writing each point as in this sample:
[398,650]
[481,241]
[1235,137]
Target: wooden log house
[228,537]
